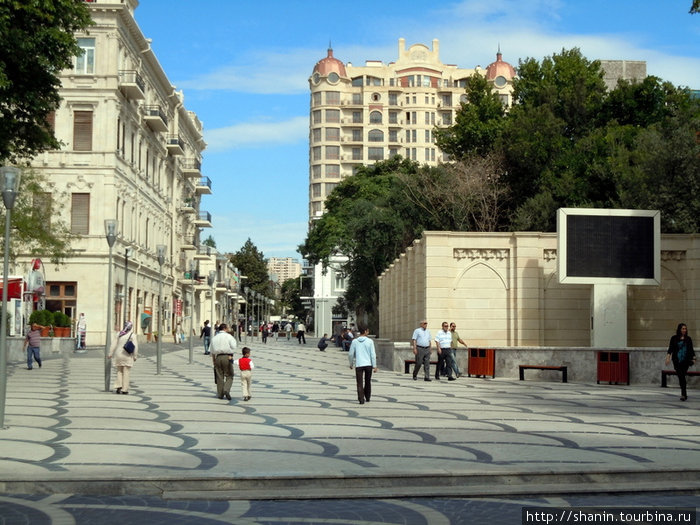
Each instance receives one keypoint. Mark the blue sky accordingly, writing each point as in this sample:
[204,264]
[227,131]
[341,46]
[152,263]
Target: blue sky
[244,69]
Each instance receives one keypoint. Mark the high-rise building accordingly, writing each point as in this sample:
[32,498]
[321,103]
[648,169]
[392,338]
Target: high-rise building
[283,268]
[363,114]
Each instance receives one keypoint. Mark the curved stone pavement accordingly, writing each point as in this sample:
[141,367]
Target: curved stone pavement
[304,421]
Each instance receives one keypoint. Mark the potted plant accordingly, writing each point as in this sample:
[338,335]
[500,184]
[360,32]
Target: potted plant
[42,318]
[61,323]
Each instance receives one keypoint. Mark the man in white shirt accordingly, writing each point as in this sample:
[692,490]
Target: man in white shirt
[422,341]
[222,347]
[443,342]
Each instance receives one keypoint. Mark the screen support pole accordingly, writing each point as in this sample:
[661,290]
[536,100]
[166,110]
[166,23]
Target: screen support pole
[609,316]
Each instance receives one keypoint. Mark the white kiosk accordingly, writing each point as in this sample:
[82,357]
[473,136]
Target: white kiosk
[609,249]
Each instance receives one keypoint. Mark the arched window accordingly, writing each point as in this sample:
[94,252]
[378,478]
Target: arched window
[375,117]
[376,135]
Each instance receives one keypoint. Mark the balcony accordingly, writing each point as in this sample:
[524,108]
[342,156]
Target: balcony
[188,206]
[132,84]
[188,244]
[175,145]
[155,118]
[192,168]
[203,186]
[203,220]
[204,253]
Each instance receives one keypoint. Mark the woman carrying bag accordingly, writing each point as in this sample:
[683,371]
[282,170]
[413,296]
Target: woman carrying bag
[125,350]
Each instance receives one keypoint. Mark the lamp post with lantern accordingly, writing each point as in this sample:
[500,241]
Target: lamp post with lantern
[160,253]
[111,235]
[10,177]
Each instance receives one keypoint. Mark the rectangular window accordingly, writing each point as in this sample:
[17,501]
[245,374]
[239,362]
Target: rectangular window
[330,186]
[357,135]
[357,82]
[427,154]
[375,153]
[332,115]
[332,152]
[80,213]
[357,117]
[427,136]
[316,116]
[316,153]
[427,118]
[316,135]
[316,99]
[393,135]
[393,117]
[357,98]
[356,153]
[393,152]
[333,134]
[332,171]
[315,190]
[393,99]
[333,98]
[82,131]
[85,63]
[316,171]
[408,135]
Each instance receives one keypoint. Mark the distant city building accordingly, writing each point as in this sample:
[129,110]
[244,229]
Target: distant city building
[614,70]
[133,153]
[283,268]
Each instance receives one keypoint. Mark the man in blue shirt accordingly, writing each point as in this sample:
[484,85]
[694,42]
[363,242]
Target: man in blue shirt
[422,342]
[364,358]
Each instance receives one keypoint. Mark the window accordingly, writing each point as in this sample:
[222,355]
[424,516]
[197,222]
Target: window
[427,136]
[357,135]
[316,153]
[393,99]
[332,152]
[61,297]
[357,117]
[393,152]
[374,81]
[376,97]
[333,98]
[356,153]
[446,100]
[82,131]
[316,191]
[393,117]
[316,171]
[408,135]
[316,116]
[332,171]
[447,119]
[330,186]
[357,82]
[393,135]
[316,135]
[375,117]
[80,213]
[85,63]
[332,115]
[316,99]
[357,98]
[375,135]
[427,118]
[333,134]
[375,153]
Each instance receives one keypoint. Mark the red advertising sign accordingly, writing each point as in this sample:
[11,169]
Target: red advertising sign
[177,307]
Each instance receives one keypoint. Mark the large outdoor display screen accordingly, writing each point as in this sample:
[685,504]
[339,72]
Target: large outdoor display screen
[599,246]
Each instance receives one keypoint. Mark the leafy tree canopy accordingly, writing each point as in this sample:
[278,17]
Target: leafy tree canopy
[38,43]
[251,262]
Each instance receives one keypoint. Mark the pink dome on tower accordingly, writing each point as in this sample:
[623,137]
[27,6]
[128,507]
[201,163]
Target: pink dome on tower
[329,65]
[500,68]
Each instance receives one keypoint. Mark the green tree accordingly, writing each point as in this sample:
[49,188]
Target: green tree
[369,220]
[209,241]
[38,42]
[252,263]
[695,7]
[291,297]
[478,123]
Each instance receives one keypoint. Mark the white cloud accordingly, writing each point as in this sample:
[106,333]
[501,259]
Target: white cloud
[252,134]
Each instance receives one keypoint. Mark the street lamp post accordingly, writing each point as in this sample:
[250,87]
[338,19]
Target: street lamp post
[160,250]
[127,252]
[111,234]
[211,280]
[9,184]
[245,320]
[191,311]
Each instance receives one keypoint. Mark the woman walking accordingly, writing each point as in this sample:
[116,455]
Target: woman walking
[681,352]
[123,358]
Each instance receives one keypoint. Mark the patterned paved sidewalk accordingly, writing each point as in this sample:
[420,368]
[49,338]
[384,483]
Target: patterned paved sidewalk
[303,432]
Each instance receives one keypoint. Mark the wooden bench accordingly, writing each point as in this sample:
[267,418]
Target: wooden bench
[666,373]
[408,362]
[561,369]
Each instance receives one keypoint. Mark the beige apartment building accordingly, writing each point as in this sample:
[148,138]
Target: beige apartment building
[282,268]
[132,152]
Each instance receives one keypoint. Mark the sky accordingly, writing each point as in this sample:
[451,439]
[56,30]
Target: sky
[244,68]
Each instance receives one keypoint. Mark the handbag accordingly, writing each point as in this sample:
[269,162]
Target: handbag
[129,345]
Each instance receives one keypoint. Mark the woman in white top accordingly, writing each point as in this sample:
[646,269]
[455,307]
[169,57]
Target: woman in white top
[123,360]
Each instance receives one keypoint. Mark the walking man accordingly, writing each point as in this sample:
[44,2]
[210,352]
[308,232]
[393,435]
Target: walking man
[364,358]
[443,342]
[222,347]
[205,334]
[456,340]
[422,342]
[31,344]
[300,333]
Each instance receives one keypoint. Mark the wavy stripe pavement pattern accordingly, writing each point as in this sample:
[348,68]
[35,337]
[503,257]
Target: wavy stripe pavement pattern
[304,420]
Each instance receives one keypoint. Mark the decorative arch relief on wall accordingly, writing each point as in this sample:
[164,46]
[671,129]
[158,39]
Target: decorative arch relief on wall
[480,257]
